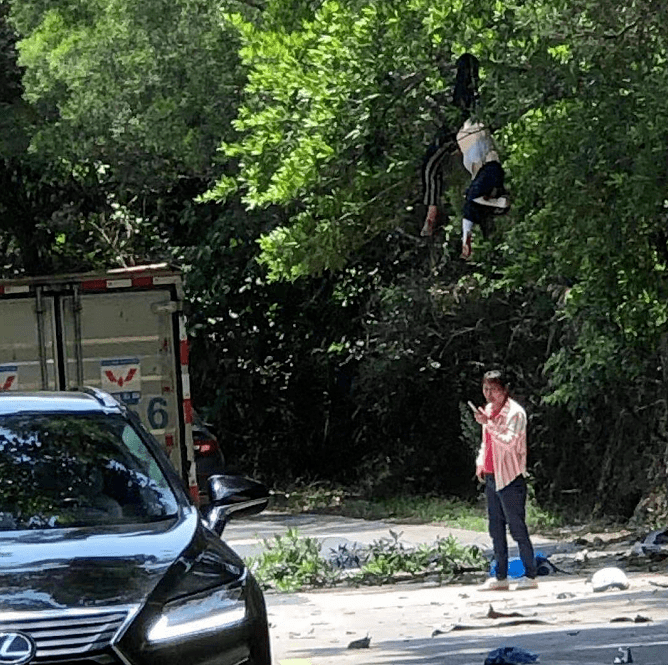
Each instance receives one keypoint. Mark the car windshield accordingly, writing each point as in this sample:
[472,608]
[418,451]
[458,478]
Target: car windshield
[60,470]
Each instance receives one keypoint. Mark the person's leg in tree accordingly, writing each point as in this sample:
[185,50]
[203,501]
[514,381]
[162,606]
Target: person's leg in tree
[467,230]
[432,178]
[430,221]
[486,186]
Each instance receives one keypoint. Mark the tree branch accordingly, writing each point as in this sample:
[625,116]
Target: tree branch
[623,31]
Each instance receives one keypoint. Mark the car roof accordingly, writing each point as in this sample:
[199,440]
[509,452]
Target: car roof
[88,400]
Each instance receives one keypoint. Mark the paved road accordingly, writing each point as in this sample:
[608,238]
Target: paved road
[575,626]
[247,536]
[315,628]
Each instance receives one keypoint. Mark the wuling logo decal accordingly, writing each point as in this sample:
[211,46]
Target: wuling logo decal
[9,377]
[16,648]
[121,377]
[8,383]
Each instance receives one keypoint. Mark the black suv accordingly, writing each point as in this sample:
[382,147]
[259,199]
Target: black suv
[104,560]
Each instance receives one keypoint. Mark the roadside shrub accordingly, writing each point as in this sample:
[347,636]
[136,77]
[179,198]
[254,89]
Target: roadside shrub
[389,558]
[292,562]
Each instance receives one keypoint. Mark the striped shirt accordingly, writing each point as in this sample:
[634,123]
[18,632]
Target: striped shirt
[507,433]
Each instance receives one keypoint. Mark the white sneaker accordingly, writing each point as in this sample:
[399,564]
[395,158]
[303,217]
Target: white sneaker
[526,583]
[500,202]
[492,584]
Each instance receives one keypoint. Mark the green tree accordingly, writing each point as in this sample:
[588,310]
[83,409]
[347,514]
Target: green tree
[335,112]
[148,87]
[54,216]
[340,102]
[333,104]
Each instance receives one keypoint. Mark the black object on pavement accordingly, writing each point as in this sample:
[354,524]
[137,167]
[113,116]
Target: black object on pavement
[510,656]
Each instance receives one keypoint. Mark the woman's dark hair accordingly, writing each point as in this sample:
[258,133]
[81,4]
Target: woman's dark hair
[465,94]
[497,376]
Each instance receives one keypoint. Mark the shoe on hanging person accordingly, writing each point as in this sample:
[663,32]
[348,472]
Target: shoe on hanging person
[526,583]
[494,202]
[492,584]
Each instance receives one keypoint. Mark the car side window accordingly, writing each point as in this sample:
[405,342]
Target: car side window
[140,452]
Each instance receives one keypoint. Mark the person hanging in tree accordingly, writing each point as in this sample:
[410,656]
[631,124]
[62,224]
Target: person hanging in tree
[485,195]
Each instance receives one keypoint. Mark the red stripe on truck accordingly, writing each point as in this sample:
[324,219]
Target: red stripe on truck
[188,411]
[184,351]
[94,285]
[194,494]
[142,281]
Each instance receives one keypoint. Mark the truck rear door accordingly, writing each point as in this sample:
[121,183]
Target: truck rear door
[122,333]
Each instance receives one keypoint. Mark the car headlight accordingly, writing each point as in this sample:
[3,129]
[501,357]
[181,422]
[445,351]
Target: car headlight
[210,611]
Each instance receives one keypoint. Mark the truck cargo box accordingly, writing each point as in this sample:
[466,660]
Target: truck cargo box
[122,331]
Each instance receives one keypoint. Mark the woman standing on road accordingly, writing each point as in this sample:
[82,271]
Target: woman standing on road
[501,465]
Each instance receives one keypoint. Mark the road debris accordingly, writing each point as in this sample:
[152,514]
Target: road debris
[510,656]
[609,578]
[655,542]
[625,657]
[363,643]
[494,614]
[582,556]
[500,624]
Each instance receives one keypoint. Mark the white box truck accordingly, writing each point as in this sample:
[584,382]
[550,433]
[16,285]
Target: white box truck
[122,331]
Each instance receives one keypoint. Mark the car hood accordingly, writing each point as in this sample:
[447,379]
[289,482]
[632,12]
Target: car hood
[89,567]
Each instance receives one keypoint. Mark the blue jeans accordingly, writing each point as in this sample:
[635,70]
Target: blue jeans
[507,507]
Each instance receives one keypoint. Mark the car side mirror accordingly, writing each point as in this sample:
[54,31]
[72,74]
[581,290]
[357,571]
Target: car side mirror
[233,496]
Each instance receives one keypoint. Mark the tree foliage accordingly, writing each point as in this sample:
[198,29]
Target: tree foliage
[148,87]
[327,336]
[333,112]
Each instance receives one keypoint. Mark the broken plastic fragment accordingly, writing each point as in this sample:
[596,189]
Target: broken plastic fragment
[510,656]
[609,578]
[360,644]
[625,656]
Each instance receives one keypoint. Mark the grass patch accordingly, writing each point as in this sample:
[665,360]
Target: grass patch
[455,513]
[422,510]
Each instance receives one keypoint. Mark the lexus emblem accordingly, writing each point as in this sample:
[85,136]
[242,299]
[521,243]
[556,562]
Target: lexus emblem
[16,648]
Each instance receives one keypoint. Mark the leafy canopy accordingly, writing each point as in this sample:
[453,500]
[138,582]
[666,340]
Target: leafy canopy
[148,87]
[340,104]
[336,111]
